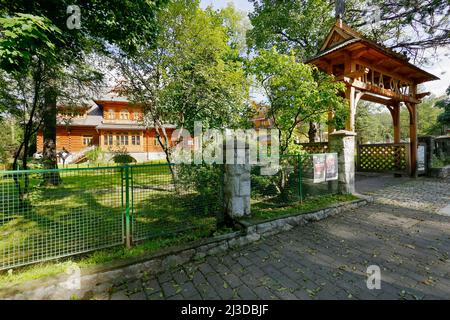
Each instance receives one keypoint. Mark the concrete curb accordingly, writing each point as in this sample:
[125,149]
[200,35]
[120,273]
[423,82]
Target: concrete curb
[96,280]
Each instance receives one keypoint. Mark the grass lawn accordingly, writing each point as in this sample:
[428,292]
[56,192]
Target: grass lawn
[86,212]
[262,209]
[95,258]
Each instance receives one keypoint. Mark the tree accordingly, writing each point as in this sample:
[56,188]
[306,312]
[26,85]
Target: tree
[27,50]
[192,73]
[297,93]
[406,25]
[103,28]
[444,118]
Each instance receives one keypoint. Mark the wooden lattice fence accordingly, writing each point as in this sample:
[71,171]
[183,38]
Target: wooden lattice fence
[388,157]
[314,148]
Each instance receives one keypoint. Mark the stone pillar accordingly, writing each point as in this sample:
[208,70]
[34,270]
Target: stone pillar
[343,143]
[237,185]
[429,141]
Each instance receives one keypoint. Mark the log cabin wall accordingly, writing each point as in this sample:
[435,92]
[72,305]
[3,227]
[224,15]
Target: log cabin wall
[73,138]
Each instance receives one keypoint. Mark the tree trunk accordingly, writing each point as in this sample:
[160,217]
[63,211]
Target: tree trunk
[49,136]
[312,132]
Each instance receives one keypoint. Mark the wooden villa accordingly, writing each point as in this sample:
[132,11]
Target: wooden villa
[111,123]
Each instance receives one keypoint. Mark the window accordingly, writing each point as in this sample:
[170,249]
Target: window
[109,139]
[122,139]
[136,116]
[124,115]
[111,114]
[136,140]
[155,141]
[87,140]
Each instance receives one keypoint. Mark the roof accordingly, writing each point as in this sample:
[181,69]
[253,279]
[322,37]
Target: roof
[344,38]
[120,126]
[94,118]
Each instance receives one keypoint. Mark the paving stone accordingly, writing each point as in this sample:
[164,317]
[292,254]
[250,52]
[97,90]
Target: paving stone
[401,232]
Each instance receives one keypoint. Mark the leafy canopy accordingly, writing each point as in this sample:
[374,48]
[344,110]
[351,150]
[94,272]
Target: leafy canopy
[407,25]
[444,104]
[297,93]
[25,36]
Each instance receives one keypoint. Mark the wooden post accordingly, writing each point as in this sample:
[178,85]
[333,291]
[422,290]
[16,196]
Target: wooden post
[396,122]
[350,95]
[331,128]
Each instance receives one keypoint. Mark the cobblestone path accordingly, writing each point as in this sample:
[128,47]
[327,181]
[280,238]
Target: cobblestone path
[401,233]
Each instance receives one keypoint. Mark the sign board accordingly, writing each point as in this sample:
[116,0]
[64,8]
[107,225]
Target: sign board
[331,166]
[319,167]
[325,167]
[421,159]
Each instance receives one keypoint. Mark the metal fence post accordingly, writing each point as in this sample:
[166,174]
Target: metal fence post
[127,207]
[300,169]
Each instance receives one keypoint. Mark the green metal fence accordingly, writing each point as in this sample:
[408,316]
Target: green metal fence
[49,214]
[292,183]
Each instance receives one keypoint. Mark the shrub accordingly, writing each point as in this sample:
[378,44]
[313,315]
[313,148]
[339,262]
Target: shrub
[205,180]
[94,155]
[122,156]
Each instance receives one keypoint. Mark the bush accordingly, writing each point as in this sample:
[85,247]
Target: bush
[205,180]
[122,156]
[439,162]
[94,155]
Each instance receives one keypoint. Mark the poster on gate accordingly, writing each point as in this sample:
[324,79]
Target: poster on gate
[319,168]
[331,166]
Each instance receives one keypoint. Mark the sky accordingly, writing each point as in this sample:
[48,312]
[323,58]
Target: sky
[440,68]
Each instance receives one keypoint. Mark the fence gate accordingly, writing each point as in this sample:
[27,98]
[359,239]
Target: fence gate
[387,157]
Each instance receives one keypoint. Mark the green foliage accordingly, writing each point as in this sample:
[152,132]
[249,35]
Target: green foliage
[297,93]
[95,155]
[206,180]
[193,73]
[122,156]
[12,135]
[266,211]
[439,162]
[297,25]
[127,24]
[25,36]
[303,24]
[444,118]
[374,124]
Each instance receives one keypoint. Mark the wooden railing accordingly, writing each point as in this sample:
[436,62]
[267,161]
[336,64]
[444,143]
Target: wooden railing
[316,147]
[387,157]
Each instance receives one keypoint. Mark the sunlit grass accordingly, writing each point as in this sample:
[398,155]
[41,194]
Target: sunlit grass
[266,210]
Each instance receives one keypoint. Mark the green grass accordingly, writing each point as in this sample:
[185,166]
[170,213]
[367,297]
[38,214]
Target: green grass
[85,212]
[266,210]
[98,257]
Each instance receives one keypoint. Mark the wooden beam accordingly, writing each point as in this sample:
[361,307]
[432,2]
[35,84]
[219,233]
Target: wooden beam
[358,74]
[379,91]
[422,95]
[359,53]
[385,102]
[379,62]
[384,71]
